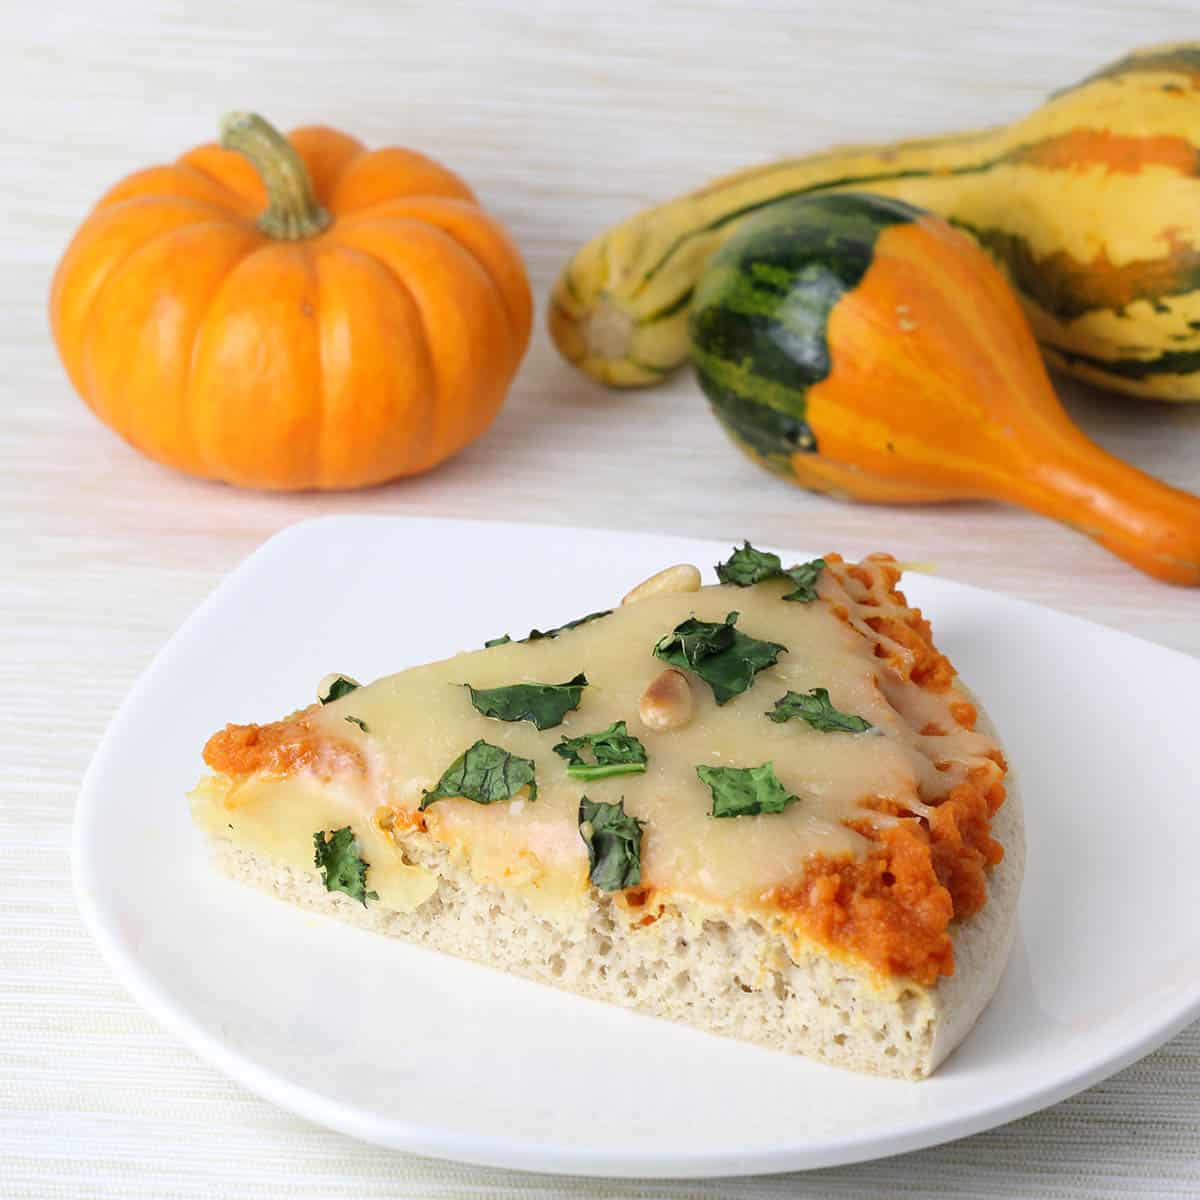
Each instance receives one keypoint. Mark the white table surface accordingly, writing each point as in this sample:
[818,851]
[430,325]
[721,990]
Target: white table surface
[564,119]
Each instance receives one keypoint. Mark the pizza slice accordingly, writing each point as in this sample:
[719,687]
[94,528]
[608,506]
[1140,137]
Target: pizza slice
[766,807]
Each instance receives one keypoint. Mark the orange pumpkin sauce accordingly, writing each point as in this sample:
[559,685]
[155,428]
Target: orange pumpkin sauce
[893,909]
[280,748]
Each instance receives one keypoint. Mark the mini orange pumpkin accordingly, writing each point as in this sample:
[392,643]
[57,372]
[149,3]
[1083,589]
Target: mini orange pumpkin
[364,324]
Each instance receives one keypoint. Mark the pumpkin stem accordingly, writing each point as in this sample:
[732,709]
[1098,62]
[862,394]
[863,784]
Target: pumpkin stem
[292,210]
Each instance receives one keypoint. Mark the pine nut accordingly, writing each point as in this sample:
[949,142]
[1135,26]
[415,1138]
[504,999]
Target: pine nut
[681,578]
[667,702]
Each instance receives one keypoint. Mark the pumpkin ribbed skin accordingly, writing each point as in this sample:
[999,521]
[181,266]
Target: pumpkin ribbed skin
[1089,205]
[372,349]
[864,348]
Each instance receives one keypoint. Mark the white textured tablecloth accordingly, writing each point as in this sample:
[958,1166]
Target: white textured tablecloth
[564,118]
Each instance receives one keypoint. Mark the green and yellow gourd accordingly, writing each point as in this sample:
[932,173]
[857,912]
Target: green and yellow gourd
[865,348]
[1090,205]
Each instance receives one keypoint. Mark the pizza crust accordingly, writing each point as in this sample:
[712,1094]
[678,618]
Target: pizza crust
[727,975]
[983,942]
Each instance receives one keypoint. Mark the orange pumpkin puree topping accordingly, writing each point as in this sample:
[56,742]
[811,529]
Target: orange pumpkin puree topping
[893,909]
[280,748]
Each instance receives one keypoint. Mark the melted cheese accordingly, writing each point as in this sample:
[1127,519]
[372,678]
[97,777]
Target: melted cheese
[278,815]
[420,720]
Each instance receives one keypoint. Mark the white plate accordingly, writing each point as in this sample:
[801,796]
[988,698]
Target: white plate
[410,1049]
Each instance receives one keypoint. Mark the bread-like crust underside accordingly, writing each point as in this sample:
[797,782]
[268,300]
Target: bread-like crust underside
[726,974]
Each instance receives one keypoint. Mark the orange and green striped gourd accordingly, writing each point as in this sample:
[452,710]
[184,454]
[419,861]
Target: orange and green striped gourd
[1090,205]
[865,348]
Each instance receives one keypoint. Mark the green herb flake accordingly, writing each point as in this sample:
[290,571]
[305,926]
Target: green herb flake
[726,659]
[336,857]
[542,704]
[484,773]
[816,708]
[748,566]
[805,577]
[615,751]
[536,635]
[359,722]
[614,844]
[745,791]
[334,687]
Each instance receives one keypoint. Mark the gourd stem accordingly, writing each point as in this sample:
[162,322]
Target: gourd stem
[1148,523]
[292,210]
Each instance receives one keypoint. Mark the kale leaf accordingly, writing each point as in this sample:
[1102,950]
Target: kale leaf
[615,751]
[543,704]
[745,791]
[614,844]
[726,659]
[334,687]
[484,773]
[536,635]
[805,576]
[815,708]
[748,566]
[336,857]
